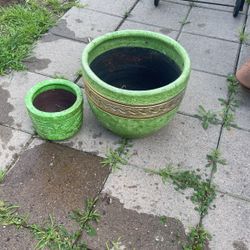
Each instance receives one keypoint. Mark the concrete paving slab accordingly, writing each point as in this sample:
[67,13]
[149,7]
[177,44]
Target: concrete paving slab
[242,113]
[85,25]
[115,7]
[247,31]
[235,176]
[168,15]
[203,89]
[140,26]
[56,57]
[146,193]
[229,224]
[52,179]
[210,54]
[133,230]
[12,239]
[11,144]
[184,143]
[204,22]
[13,89]
[244,54]
[223,7]
[92,137]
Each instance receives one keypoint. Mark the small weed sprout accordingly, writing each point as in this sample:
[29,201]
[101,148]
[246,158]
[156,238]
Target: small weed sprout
[214,159]
[59,76]
[2,175]
[117,157]
[114,245]
[83,218]
[207,117]
[197,237]
[243,36]
[52,235]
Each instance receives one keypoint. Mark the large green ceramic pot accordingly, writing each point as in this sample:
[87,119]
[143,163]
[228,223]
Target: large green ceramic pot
[129,80]
[55,108]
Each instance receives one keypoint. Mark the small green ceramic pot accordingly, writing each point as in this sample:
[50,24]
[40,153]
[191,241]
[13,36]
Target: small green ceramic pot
[132,112]
[60,122]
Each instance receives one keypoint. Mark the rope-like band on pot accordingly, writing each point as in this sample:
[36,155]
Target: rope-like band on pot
[131,111]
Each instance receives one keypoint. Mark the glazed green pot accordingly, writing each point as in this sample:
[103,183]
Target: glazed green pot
[134,113]
[58,125]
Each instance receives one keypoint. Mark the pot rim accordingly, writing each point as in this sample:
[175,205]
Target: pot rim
[29,98]
[139,33]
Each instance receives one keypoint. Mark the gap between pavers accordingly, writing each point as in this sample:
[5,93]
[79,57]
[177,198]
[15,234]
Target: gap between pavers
[134,230]
[242,113]
[12,101]
[146,193]
[128,24]
[92,137]
[183,143]
[11,144]
[234,177]
[204,22]
[84,25]
[115,7]
[203,89]
[168,15]
[55,56]
[229,224]
[210,54]
[50,179]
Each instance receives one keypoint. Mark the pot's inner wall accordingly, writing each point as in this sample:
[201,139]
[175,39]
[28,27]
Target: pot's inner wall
[135,68]
[54,100]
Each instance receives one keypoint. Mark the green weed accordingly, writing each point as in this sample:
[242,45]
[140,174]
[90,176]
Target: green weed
[207,117]
[198,238]
[59,76]
[214,159]
[163,220]
[117,157]
[2,175]
[83,218]
[114,245]
[243,36]
[52,235]
[203,191]
[9,215]
[230,104]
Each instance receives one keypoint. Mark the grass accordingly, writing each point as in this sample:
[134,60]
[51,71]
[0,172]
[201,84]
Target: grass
[21,25]
[243,36]
[115,158]
[52,235]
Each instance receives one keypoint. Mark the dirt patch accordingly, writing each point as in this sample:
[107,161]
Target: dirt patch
[9,2]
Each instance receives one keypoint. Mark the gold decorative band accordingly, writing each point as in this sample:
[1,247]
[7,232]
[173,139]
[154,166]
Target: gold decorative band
[131,111]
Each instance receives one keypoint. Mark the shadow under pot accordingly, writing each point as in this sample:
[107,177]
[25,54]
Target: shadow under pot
[135,80]
[55,108]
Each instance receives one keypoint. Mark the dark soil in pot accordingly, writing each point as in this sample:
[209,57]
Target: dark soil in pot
[135,68]
[55,100]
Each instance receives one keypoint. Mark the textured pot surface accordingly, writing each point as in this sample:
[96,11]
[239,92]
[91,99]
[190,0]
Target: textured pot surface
[58,125]
[134,113]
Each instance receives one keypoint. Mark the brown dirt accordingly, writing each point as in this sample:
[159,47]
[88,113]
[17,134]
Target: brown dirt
[8,2]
